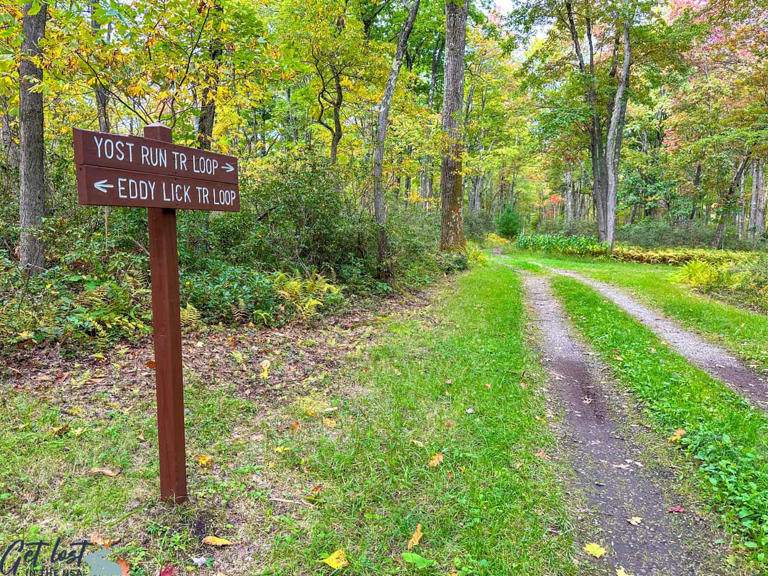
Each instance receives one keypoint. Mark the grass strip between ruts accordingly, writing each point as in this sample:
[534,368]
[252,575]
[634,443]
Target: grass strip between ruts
[723,433]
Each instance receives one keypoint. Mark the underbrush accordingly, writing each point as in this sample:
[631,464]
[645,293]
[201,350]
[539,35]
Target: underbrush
[588,246]
[742,281]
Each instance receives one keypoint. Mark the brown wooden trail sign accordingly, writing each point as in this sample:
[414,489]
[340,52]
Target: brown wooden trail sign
[152,172]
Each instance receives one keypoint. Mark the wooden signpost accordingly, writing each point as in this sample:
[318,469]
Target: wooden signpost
[152,172]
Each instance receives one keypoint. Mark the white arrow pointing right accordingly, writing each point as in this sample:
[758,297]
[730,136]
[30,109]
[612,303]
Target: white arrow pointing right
[103,186]
[228,167]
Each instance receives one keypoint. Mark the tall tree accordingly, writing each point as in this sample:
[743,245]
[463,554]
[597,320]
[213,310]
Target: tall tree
[385,267]
[32,162]
[451,182]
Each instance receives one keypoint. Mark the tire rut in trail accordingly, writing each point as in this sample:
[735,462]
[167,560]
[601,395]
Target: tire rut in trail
[607,464]
[711,358]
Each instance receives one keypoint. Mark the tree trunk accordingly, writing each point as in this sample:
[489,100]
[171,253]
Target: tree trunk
[100,92]
[759,198]
[569,203]
[728,201]
[384,263]
[207,117]
[613,141]
[451,191]
[32,165]
[426,179]
[741,217]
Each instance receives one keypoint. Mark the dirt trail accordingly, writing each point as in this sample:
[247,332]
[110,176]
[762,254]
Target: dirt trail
[710,357]
[609,463]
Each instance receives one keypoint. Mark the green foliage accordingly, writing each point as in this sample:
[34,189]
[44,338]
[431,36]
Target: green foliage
[744,281]
[304,295]
[475,255]
[508,224]
[559,243]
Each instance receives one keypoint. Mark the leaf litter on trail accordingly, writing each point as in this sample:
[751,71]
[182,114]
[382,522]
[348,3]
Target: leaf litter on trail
[595,550]
[635,520]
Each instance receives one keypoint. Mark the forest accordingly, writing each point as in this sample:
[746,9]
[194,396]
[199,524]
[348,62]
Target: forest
[417,179]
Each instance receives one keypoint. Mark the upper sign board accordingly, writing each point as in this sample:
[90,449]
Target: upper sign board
[115,170]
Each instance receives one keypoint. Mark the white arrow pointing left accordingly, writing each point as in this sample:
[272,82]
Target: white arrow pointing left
[228,167]
[103,186]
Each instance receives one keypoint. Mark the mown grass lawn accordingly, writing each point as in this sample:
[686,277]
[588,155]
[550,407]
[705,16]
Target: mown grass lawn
[342,463]
[743,332]
[720,430]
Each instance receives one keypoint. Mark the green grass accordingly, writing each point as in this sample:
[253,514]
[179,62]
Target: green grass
[743,332]
[491,507]
[725,435]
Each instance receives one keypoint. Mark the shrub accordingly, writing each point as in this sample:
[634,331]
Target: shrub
[494,241]
[698,274]
[475,255]
[508,224]
[575,245]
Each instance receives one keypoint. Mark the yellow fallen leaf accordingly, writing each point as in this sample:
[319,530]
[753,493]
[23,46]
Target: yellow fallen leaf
[77,432]
[416,538]
[282,449]
[435,460]
[337,560]
[264,365]
[622,572]
[216,541]
[204,460]
[635,520]
[104,471]
[678,435]
[595,550]
[329,422]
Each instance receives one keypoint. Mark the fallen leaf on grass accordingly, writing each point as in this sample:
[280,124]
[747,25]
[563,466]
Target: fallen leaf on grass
[216,541]
[204,460]
[419,561]
[125,569]
[635,520]
[676,510]
[337,560]
[282,449]
[99,540]
[543,455]
[295,426]
[264,365]
[317,489]
[167,571]
[435,460]
[416,538]
[329,422]
[595,550]
[677,435]
[104,471]
[417,443]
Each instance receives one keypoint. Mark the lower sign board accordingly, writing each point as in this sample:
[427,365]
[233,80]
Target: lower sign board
[100,186]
